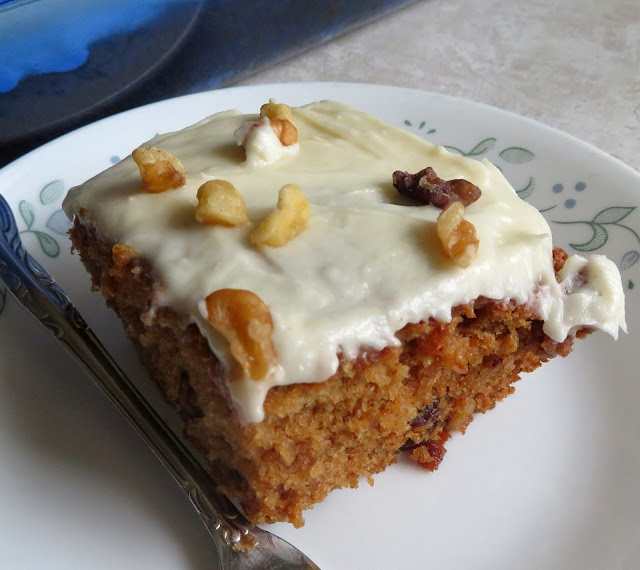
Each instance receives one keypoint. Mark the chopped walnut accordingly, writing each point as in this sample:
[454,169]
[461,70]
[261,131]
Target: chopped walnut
[427,188]
[275,110]
[281,119]
[160,170]
[220,203]
[458,236]
[285,131]
[290,217]
[243,319]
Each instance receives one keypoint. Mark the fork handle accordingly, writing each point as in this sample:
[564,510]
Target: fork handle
[37,291]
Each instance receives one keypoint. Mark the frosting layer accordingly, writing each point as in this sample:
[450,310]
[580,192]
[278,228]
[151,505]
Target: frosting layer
[370,261]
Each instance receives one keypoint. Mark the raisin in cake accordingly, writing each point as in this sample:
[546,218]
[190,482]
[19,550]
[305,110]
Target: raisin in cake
[316,291]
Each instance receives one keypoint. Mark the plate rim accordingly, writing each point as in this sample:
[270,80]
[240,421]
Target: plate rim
[487,108]
[541,127]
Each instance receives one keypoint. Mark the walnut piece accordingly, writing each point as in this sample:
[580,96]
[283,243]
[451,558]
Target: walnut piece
[281,119]
[427,188]
[285,131]
[458,236]
[243,319]
[290,217]
[220,203]
[160,170]
[275,110]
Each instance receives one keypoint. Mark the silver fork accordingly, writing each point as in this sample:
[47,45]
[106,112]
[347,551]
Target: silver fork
[239,544]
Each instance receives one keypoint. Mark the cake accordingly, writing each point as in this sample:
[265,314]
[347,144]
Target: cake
[316,291]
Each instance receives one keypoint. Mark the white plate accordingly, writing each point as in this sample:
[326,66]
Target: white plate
[549,479]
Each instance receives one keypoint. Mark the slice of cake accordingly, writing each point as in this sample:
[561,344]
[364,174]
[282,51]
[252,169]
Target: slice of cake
[315,291]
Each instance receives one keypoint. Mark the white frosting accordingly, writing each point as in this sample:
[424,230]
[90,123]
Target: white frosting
[369,262]
[589,295]
[261,143]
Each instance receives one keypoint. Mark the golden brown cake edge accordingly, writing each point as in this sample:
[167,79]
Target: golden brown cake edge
[319,437]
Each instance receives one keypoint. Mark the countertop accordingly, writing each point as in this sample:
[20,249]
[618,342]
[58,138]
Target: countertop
[571,64]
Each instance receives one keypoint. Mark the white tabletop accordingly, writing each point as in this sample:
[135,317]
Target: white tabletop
[571,64]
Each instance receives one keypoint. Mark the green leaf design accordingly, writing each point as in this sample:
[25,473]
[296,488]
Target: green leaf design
[612,215]
[600,237]
[26,211]
[528,189]
[422,124]
[607,217]
[48,244]
[407,122]
[629,259]
[483,146]
[3,298]
[51,192]
[517,155]
[631,285]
